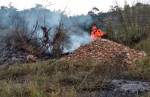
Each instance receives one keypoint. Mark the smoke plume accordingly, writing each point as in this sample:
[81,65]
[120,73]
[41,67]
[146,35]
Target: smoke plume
[76,26]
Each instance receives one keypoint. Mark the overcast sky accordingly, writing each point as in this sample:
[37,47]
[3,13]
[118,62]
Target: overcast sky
[74,7]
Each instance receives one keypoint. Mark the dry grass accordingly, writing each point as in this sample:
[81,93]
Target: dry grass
[57,78]
[54,78]
[142,69]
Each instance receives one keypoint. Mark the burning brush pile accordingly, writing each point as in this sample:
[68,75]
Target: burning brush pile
[104,50]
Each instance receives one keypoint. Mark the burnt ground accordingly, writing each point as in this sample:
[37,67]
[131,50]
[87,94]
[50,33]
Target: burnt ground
[118,88]
[10,56]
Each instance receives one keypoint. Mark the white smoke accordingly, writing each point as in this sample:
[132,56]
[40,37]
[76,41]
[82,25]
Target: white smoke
[75,25]
[77,41]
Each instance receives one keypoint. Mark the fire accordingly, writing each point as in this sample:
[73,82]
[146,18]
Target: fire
[96,33]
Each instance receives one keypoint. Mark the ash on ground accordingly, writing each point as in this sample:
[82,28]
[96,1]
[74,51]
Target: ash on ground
[12,56]
[119,88]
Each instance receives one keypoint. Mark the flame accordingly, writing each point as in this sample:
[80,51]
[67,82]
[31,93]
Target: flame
[96,33]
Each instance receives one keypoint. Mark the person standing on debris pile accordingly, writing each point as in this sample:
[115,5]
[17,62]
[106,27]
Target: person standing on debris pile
[96,33]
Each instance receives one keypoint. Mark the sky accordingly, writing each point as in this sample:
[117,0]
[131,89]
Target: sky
[71,7]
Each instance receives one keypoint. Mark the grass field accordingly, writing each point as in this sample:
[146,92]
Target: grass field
[56,78]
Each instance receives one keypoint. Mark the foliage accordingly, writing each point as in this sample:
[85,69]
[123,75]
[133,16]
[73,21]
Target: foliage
[128,25]
[133,23]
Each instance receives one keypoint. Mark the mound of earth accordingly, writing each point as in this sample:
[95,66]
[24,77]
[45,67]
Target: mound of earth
[104,50]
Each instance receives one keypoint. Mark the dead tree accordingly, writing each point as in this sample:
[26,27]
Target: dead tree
[45,33]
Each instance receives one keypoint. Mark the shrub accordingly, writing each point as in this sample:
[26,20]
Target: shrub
[58,41]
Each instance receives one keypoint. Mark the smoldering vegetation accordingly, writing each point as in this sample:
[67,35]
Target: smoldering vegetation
[23,30]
